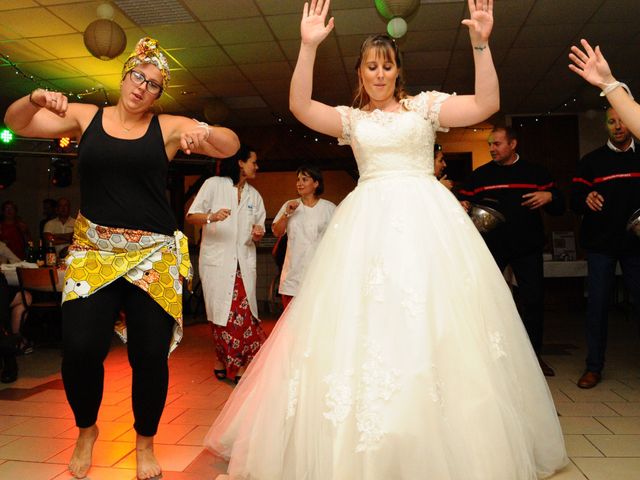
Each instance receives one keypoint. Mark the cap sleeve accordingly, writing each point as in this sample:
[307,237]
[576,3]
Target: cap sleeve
[428,104]
[345,117]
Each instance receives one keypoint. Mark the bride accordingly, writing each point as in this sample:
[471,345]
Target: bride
[403,356]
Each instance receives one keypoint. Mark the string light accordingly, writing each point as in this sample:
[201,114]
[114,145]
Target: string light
[44,84]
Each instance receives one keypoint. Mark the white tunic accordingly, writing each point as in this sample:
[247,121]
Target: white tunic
[226,244]
[304,230]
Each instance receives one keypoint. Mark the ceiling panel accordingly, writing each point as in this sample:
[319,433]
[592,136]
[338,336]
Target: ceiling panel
[63,46]
[554,12]
[267,71]
[201,56]
[230,74]
[255,52]
[240,30]
[285,27]
[79,15]
[35,22]
[14,4]
[535,36]
[180,35]
[20,51]
[359,21]
[223,9]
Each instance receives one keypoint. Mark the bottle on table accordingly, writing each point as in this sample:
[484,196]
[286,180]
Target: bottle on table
[40,255]
[32,255]
[51,258]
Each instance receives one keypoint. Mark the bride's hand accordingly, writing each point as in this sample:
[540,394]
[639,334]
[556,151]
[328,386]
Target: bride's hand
[480,21]
[312,28]
[590,65]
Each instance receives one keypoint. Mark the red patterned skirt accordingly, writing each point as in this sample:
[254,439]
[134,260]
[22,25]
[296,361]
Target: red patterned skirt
[237,342]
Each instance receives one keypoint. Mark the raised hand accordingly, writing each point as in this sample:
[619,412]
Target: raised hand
[480,21]
[590,65]
[312,27]
[55,102]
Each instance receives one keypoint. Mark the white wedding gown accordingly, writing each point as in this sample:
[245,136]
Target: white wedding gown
[403,356]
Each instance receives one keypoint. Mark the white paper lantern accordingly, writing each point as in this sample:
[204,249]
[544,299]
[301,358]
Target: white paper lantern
[105,11]
[397,27]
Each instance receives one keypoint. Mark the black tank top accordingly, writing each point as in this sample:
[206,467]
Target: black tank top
[123,182]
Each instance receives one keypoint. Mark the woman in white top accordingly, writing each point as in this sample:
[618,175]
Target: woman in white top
[232,216]
[304,220]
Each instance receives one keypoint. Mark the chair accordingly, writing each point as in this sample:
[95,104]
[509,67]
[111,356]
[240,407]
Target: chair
[41,283]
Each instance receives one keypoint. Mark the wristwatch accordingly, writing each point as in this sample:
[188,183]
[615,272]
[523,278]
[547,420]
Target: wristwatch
[208,218]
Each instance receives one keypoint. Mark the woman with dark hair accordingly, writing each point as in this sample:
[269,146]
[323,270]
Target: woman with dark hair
[232,216]
[127,252]
[402,356]
[439,164]
[304,220]
[14,232]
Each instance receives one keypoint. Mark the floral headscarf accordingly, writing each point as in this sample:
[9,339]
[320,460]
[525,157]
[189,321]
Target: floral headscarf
[147,51]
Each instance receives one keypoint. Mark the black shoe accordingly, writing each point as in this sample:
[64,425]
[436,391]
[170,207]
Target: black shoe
[220,374]
[546,369]
[10,370]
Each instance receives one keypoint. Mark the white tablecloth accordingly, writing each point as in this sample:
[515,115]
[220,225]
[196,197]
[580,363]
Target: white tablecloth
[9,271]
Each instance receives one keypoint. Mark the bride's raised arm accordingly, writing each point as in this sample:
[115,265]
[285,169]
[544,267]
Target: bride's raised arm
[463,110]
[315,115]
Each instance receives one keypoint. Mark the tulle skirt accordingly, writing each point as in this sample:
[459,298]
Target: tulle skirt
[401,358]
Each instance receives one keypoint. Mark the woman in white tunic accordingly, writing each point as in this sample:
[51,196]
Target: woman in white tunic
[232,216]
[304,220]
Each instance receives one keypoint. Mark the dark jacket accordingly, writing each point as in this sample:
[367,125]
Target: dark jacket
[615,176]
[502,188]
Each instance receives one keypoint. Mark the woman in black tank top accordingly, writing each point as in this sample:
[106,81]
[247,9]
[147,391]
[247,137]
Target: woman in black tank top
[127,226]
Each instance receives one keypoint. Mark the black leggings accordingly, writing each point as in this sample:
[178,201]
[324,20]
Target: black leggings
[87,330]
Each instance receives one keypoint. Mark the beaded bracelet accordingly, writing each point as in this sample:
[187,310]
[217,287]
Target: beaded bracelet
[610,87]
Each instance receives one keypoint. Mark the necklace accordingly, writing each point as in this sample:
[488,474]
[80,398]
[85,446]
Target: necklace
[124,127]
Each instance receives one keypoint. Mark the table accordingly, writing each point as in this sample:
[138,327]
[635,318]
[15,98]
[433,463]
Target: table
[12,278]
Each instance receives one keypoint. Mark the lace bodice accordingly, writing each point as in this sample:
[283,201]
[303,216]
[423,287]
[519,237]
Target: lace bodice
[394,142]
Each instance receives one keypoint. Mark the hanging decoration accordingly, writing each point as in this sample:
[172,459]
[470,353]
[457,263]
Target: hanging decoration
[104,38]
[44,84]
[396,11]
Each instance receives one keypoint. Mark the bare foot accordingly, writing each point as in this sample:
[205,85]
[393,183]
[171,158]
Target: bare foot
[147,465]
[80,462]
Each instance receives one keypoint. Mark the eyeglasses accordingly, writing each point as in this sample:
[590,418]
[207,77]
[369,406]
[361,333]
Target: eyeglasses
[138,78]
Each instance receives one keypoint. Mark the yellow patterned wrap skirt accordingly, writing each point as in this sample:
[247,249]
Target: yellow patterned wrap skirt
[156,263]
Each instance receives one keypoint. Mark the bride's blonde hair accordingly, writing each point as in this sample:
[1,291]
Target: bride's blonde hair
[385,47]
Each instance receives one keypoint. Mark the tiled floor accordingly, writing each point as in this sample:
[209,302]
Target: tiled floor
[601,426]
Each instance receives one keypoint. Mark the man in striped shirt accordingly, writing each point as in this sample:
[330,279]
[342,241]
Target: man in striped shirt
[606,192]
[519,190]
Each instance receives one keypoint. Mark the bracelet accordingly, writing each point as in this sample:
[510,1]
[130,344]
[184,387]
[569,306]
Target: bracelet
[610,87]
[32,102]
[205,126]
[480,47]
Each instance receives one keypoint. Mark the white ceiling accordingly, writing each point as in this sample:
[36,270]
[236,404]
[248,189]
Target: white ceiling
[244,51]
